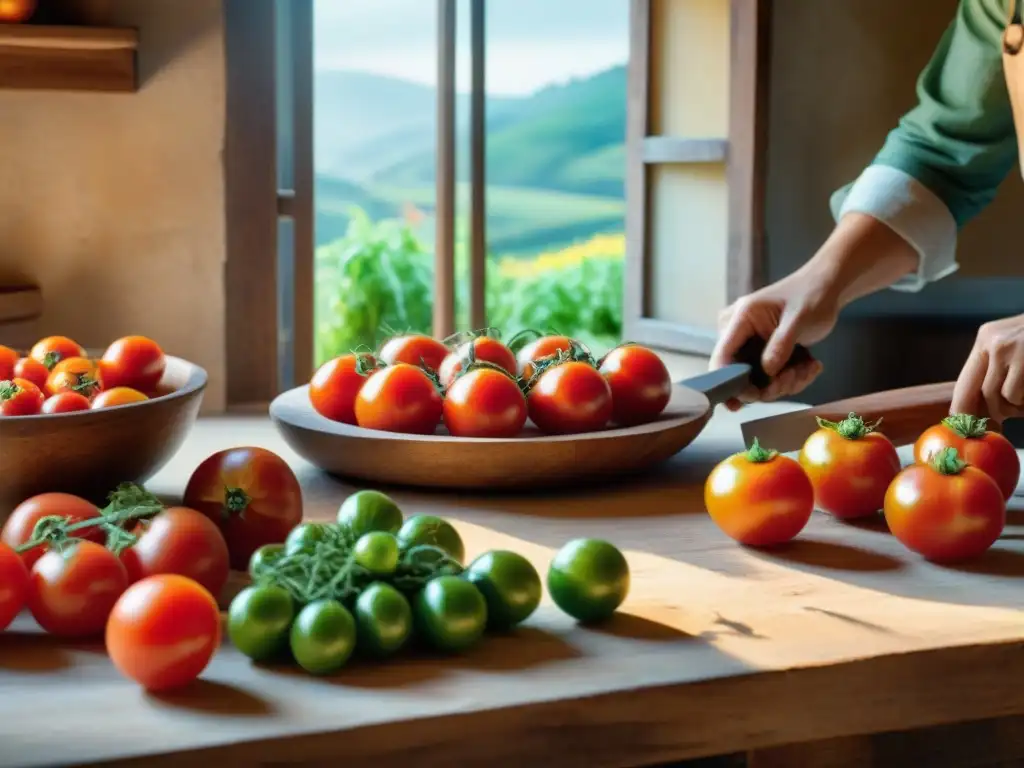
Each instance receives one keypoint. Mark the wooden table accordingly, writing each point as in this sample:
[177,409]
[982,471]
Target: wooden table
[718,650]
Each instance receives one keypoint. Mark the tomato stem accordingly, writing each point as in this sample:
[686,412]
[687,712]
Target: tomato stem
[8,390]
[756,454]
[948,462]
[523,338]
[366,363]
[966,425]
[50,360]
[853,427]
[236,501]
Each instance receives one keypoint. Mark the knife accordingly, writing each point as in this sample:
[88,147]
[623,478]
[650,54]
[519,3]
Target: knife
[905,414]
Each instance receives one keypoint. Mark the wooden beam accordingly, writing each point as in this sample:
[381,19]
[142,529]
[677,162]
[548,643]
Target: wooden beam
[444,206]
[664,150]
[38,57]
[478,168]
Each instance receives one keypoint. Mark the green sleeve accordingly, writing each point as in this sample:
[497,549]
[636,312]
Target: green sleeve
[959,140]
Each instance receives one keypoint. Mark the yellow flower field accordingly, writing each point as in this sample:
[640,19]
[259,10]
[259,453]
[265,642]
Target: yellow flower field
[602,247]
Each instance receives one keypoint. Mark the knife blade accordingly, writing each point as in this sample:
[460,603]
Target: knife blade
[905,414]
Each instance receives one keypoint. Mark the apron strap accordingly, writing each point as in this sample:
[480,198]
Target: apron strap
[1013,36]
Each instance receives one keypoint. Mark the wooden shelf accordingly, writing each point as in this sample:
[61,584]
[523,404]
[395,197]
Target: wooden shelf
[19,303]
[38,57]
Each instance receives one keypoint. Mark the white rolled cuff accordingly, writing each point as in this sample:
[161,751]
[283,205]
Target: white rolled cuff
[912,211]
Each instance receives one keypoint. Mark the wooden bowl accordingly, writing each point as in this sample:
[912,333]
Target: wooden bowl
[528,461]
[89,452]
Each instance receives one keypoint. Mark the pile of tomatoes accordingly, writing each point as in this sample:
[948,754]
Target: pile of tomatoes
[479,388]
[949,505]
[58,376]
[375,582]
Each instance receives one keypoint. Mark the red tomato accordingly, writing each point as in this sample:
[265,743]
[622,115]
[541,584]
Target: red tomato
[414,349]
[14,585]
[850,466]
[135,362]
[8,359]
[72,592]
[333,389]
[485,403]
[759,498]
[485,349]
[53,349]
[182,541]
[399,398]
[66,402]
[32,370]
[163,632]
[945,510]
[570,398]
[19,528]
[545,346]
[19,397]
[988,451]
[641,386]
[251,494]
[109,398]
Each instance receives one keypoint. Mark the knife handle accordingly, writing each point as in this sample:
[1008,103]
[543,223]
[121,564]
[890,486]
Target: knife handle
[751,352]
[905,413]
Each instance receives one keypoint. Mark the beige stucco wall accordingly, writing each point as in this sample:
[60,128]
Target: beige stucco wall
[114,204]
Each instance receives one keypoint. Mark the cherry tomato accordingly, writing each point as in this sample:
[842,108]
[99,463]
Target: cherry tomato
[850,466]
[19,528]
[182,541]
[510,586]
[323,637]
[259,620]
[450,613]
[383,620]
[415,349]
[53,349]
[545,346]
[69,381]
[78,365]
[19,397]
[8,359]
[758,497]
[72,591]
[14,585]
[570,398]
[252,494]
[32,370]
[399,398]
[589,579]
[431,531]
[945,510]
[135,362]
[988,451]
[367,511]
[640,383]
[66,402]
[377,552]
[333,389]
[486,349]
[163,632]
[109,398]
[485,402]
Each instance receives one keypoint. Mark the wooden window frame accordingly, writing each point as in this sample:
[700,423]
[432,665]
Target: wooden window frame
[743,152]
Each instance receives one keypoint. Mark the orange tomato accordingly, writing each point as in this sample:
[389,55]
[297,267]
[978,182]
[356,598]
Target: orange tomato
[640,383]
[77,365]
[53,349]
[988,451]
[20,526]
[66,402]
[850,466]
[8,359]
[135,362]
[109,398]
[16,11]
[759,497]
[334,386]
[399,398]
[545,346]
[570,398]
[32,370]
[19,397]
[414,349]
[485,349]
[485,402]
[71,381]
[163,631]
[945,510]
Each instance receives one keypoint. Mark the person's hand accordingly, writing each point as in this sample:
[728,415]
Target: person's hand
[992,380]
[795,310]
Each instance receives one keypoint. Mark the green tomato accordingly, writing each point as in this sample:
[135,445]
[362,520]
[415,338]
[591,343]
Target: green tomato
[588,579]
[510,585]
[450,613]
[420,530]
[259,619]
[263,557]
[377,552]
[383,620]
[368,511]
[304,536]
[323,637]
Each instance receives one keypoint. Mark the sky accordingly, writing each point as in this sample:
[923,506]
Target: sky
[530,43]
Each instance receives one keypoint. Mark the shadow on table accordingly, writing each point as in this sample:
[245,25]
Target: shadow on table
[209,697]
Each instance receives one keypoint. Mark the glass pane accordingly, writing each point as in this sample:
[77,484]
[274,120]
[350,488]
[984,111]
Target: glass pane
[375,88]
[556,129]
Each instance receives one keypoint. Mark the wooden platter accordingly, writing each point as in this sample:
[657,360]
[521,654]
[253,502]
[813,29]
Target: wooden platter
[529,461]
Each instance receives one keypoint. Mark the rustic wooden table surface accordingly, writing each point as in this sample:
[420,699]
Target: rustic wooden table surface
[718,650]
